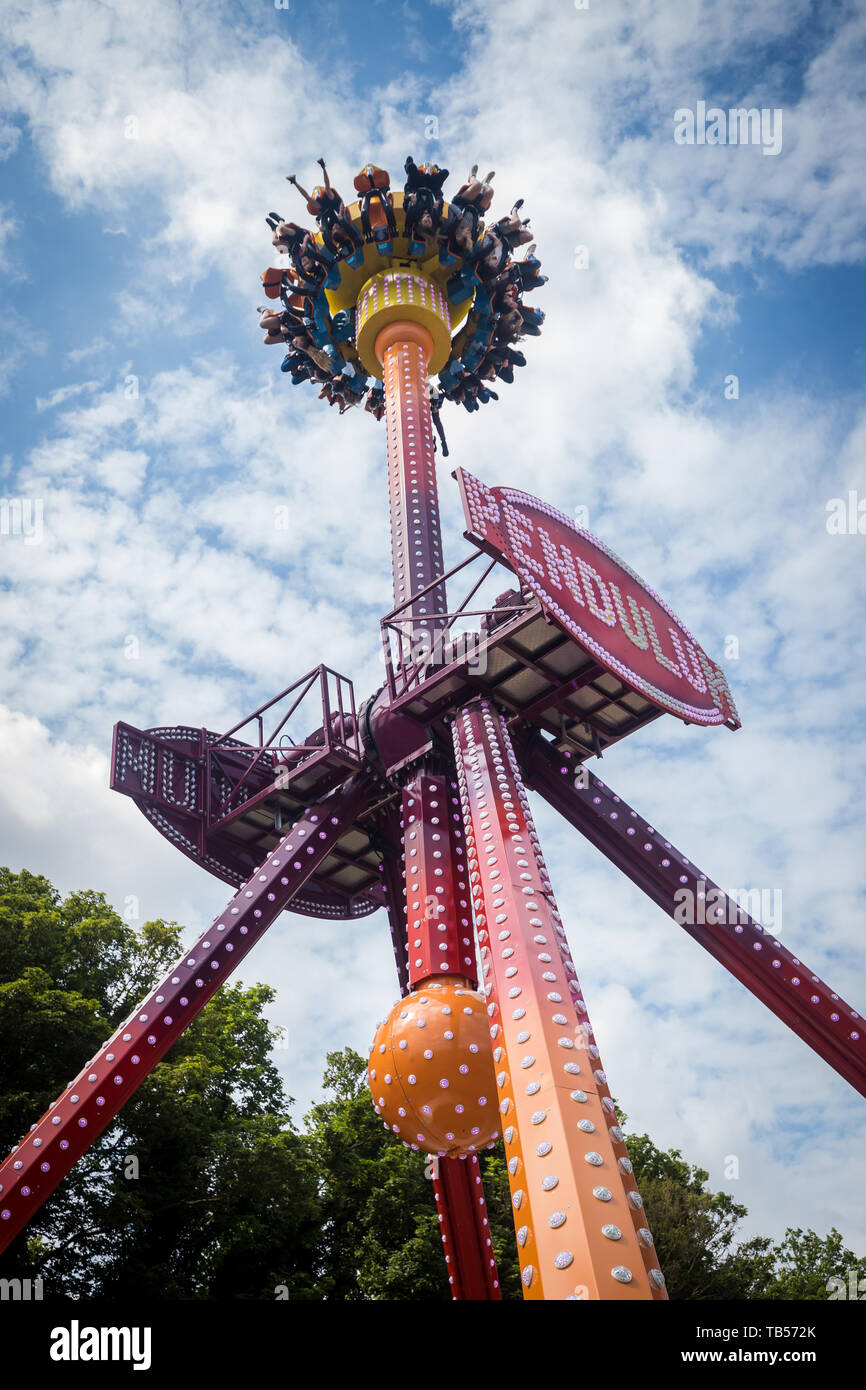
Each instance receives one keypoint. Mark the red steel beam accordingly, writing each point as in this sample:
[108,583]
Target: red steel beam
[441,942]
[89,1103]
[394,884]
[466,1239]
[438,911]
[753,956]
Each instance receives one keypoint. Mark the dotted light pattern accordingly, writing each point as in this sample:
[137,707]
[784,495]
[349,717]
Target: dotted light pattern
[466,1241]
[438,914]
[578,1216]
[754,956]
[497,512]
[401,289]
[398,297]
[430,1070]
[90,1102]
[416,537]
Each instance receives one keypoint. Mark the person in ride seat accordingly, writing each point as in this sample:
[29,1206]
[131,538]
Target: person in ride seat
[457,232]
[532,320]
[475,193]
[329,210]
[512,230]
[462,224]
[311,262]
[298,366]
[525,274]
[377,208]
[327,359]
[422,204]
[375,402]
[279,327]
[490,256]
[509,321]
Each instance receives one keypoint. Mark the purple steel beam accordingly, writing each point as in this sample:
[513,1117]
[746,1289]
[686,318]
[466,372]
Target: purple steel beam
[753,956]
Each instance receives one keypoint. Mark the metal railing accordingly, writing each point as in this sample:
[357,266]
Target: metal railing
[278,752]
[405,674]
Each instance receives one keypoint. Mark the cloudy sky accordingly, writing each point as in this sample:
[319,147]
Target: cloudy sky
[698,388]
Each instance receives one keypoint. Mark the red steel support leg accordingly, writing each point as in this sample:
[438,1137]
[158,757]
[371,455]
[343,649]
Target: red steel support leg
[438,909]
[466,1237]
[89,1103]
[437,902]
[753,956]
[577,1212]
[441,943]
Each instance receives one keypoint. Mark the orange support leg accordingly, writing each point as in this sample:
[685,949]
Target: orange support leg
[577,1212]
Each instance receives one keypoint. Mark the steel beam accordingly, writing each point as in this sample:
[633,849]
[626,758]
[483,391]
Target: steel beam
[796,995]
[416,536]
[578,1214]
[466,1240]
[438,911]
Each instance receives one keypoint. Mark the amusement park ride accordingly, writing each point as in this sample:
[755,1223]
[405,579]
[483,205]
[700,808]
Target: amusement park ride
[415,799]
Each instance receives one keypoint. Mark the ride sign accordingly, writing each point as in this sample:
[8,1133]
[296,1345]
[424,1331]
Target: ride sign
[601,603]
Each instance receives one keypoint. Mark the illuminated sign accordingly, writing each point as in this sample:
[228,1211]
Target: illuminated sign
[601,603]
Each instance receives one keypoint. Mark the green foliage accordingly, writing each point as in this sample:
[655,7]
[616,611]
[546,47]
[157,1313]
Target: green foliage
[378,1215]
[204,1189]
[804,1264]
[381,1237]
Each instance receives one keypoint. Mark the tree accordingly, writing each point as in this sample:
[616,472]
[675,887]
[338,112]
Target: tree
[381,1237]
[805,1266]
[201,1188]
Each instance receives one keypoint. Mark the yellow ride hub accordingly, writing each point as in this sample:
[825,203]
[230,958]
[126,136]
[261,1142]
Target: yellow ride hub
[401,295]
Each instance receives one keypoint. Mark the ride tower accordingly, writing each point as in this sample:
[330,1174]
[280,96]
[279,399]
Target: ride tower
[416,798]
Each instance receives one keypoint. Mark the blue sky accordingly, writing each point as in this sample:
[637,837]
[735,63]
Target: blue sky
[140,258]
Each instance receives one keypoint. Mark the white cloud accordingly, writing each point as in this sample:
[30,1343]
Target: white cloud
[62,394]
[96,348]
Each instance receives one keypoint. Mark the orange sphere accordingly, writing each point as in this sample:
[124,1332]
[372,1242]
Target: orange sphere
[431,1070]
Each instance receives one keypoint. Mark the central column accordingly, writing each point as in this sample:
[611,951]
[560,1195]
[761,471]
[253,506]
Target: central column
[404,349]
[403,335]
